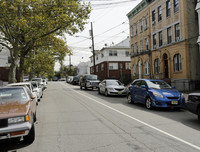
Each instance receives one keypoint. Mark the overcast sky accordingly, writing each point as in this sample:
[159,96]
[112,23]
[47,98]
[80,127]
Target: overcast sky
[110,26]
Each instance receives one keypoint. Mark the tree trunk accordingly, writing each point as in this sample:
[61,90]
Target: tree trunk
[12,73]
[21,70]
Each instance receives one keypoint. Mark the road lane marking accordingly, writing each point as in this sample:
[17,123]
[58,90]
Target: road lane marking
[142,122]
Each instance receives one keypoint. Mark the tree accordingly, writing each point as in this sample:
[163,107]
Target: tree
[24,23]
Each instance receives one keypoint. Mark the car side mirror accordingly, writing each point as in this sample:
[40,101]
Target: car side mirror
[32,97]
[173,87]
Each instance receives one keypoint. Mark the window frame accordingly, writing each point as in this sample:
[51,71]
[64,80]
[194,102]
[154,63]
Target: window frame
[157,66]
[177,62]
[168,8]
[159,13]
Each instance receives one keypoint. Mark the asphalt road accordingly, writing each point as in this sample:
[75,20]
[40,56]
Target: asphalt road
[74,120]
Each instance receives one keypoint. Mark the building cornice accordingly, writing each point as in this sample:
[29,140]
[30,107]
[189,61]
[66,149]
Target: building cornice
[141,6]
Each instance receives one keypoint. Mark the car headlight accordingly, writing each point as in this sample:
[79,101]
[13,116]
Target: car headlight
[110,89]
[16,120]
[158,95]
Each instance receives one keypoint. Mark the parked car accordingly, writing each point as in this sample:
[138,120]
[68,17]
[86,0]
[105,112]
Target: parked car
[69,79]
[40,82]
[62,79]
[89,81]
[25,78]
[155,93]
[75,80]
[29,85]
[55,79]
[193,104]
[17,113]
[37,89]
[112,87]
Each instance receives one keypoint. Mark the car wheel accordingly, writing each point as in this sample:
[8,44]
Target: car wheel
[106,93]
[148,103]
[85,87]
[81,87]
[129,99]
[31,136]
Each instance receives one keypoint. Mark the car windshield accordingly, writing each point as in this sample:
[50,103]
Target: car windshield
[158,85]
[91,77]
[12,95]
[113,82]
[38,80]
[34,84]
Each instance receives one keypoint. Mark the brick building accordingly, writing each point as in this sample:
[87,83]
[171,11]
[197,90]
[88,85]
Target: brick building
[163,36]
[113,62]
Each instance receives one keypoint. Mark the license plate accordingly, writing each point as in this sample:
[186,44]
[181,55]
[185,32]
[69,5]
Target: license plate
[174,102]
[119,92]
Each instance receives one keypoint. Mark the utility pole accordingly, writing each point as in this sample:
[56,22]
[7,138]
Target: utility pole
[93,52]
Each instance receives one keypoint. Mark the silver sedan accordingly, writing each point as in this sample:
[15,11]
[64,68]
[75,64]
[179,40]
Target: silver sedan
[112,87]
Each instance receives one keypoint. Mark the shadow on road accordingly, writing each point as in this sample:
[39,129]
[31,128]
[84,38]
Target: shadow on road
[12,145]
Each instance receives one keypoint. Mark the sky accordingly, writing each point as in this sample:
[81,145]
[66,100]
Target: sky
[110,26]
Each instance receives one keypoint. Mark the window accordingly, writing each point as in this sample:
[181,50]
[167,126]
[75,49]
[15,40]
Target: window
[121,66]
[146,68]
[97,68]
[112,53]
[128,66]
[141,25]
[159,13]
[176,6]
[132,32]
[136,48]
[177,63]
[154,41]
[157,66]
[102,55]
[97,57]
[168,8]
[169,35]
[147,43]
[145,23]
[141,45]
[160,39]
[91,59]
[135,28]
[132,49]
[113,66]
[9,59]
[134,70]
[153,17]
[177,32]
[127,53]
[102,67]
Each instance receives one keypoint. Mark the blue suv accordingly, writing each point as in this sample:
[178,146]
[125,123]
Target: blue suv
[155,93]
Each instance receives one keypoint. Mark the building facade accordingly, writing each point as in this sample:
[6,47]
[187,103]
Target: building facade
[4,65]
[163,39]
[113,62]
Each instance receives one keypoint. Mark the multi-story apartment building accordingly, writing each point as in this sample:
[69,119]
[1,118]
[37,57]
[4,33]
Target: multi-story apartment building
[113,62]
[163,36]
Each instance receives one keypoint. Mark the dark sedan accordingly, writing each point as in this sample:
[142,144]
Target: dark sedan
[193,104]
